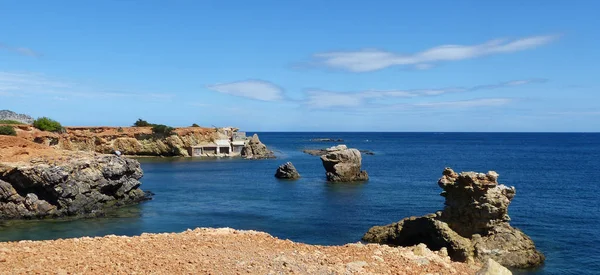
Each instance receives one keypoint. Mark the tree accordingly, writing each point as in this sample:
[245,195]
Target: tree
[141,123]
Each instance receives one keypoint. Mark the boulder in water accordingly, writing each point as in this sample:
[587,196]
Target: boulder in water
[287,171]
[343,165]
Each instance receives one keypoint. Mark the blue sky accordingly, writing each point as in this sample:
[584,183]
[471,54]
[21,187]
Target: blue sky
[305,65]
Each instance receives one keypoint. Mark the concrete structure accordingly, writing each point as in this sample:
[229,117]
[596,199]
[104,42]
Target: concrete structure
[224,147]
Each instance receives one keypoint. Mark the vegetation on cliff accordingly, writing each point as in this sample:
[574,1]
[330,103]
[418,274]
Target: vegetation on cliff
[10,121]
[47,124]
[7,131]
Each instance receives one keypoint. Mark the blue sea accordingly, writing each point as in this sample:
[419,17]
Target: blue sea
[556,176]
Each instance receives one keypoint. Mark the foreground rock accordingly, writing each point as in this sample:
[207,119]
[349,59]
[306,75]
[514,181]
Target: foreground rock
[255,149]
[80,185]
[343,165]
[287,171]
[473,225]
[216,251]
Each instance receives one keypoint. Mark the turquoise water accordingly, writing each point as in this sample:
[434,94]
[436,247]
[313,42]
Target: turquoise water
[556,176]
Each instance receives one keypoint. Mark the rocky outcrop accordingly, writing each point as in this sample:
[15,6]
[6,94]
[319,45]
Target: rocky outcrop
[287,171]
[320,152]
[473,225]
[82,185]
[491,267]
[343,165]
[10,115]
[254,149]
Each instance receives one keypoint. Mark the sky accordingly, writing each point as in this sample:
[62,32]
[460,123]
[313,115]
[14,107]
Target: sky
[435,66]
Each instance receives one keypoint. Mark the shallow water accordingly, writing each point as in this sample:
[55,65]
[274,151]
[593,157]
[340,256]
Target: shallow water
[556,176]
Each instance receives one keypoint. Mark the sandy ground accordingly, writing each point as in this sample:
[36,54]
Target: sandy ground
[215,251]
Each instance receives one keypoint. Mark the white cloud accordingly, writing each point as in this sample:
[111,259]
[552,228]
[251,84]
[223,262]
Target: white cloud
[25,84]
[253,89]
[328,99]
[20,50]
[373,59]
[482,102]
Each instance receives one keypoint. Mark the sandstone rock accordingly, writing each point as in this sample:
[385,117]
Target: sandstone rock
[491,267]
[84,185]
[473,225]
[287,171]
[343,165]
[254,149]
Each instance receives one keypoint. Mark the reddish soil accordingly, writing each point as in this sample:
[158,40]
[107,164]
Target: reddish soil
[214,251]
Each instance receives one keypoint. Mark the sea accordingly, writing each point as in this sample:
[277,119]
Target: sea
[556,175]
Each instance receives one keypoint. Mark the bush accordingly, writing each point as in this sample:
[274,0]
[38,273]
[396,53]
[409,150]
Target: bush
[195,125]
[47,124]
[10,122]
[162,129]
[7,131]
[142,123]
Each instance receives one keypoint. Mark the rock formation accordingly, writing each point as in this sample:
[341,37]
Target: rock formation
[343,164]
[10,115]
[320,152]
[254,149]
[82,185]
[287,171]
[327,140]
[473,225]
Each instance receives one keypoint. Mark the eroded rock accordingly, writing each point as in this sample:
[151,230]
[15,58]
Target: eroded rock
[343,165]
[84,185]
[254,149]
[473,225]
[287,171]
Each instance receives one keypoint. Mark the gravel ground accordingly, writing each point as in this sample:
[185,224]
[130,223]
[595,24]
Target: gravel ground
[216,251]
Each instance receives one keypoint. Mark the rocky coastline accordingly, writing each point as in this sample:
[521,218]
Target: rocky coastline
[41,182]
[473,227]
[217,251]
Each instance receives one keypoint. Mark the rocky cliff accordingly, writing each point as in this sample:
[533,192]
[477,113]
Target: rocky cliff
[473,225]
[139,141]
[85,184]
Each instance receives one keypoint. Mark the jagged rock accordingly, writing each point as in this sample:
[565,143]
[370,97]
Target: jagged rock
[287,171]
[473,225]
[85,185]
[10,115]
[343,165]
[254,149]
[491,267]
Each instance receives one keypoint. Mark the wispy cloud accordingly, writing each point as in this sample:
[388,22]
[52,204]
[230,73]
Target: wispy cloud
[373,59]
[20,50]
[32,84]
[481,102]
[253,89]
[329,99]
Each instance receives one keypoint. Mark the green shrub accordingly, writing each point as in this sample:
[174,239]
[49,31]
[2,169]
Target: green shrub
[142,123]
[47,124]
[10,122]
[7,131]
[162,129]
[195,125]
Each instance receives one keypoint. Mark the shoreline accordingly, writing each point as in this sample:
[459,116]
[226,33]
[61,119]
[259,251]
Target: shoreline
[220,251]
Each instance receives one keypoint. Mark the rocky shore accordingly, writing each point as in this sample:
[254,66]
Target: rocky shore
[217,251]
[39,182]
[472,227]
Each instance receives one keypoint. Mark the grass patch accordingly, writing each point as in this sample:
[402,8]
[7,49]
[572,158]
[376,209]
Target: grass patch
[7,121]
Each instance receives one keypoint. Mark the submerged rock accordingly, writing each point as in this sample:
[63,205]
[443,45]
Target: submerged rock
[473,225]
[254,149]
[287,171]
[320,152]
[85,185]
[343,165]
[327,140]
